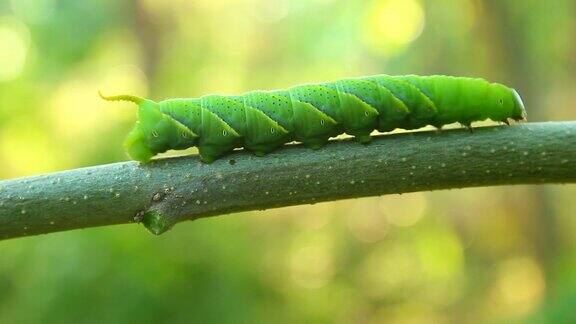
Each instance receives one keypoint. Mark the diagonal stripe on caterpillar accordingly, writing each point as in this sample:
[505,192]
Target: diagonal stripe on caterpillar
[261,121]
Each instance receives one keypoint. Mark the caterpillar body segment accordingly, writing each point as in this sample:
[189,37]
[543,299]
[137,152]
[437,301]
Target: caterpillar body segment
[391,110]
[421,108]
[156,132]
[475,99]
[261,121]
[352,115]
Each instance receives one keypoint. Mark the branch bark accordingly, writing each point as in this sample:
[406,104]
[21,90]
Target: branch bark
[171,190]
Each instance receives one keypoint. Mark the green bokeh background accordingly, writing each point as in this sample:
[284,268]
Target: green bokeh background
[476,255]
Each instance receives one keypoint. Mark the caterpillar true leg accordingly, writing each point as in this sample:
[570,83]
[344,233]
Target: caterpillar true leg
[468,126]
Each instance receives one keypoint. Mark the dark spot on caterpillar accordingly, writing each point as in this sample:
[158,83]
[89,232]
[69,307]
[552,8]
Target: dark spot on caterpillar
[501,101]
[232,161]
[155,133]
[224,133]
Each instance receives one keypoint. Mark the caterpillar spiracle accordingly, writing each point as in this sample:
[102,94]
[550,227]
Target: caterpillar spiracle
[261,121]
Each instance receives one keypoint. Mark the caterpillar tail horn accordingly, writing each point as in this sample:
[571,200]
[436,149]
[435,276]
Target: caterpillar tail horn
[135,99]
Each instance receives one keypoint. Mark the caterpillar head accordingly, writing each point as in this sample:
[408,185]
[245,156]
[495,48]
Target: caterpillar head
[519,112]
[504,103]
[154,132]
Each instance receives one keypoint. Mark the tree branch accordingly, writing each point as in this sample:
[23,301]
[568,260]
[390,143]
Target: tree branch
[171,190]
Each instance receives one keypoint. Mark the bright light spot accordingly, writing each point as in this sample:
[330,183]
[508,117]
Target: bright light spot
[75,109]
[406,311]
[271,11]
[390,25]
[441,262]
[440,253]
[309,217]
[520,285]
[312,266]
[25,149]
[365,222]
[78,111]
[13,48]
[405,210]
[205,5]
[388,270]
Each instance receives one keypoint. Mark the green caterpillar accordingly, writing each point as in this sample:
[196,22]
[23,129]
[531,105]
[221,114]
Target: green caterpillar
[262,121]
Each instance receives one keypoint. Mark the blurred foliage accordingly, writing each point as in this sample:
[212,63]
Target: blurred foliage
[486,254]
